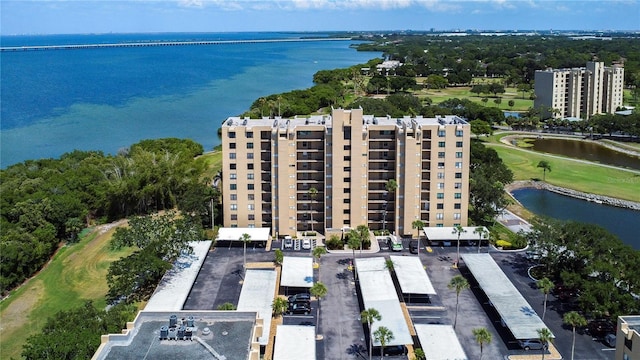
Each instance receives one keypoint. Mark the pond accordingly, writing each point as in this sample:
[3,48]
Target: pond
[585,150]
[619,221]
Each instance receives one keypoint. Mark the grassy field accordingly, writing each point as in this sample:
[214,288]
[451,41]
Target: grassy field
[76,273]
[213,161]
[590,178]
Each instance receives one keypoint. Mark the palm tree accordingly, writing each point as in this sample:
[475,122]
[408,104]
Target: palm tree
[383,335]
[368,316]
[245,238]
[319,290]
[544,164]
[313,193]
[389,265]
[418,224]
[278,257]
[457,283]
[483,336]
[545,285]
[482,232]
[545,337]
[279,306]
[318,251]
[458,230]
[391,187]
[226,306]
[574,319]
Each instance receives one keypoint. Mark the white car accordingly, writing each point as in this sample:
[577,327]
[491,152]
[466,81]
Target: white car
[288,242]
[306,244]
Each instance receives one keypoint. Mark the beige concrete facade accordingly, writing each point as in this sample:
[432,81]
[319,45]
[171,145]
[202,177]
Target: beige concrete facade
[579,92]
[270,165]
[628,338]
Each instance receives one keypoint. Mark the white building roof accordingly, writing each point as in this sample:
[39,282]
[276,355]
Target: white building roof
[175,286]
[297,272]
[378,292]
[515,311]
[295,342]
[258,291]
[412,276]
[234,234]
[439,342]
[447,233]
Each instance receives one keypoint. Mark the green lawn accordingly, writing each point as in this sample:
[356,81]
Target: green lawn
[213,161]
[76,273]
[463,92]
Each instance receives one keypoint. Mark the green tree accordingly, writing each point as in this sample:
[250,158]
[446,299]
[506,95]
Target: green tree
[574,319]
[482,234]
[319,290]
[369,316]
[544,164]
[484,100]
[313,193]
[419,354]
[245,238]
[226,306]
[480,127]
[458,230]
[497,101]
[545,285]
[73,226]
[545,337]
[279,306]
[457,283]
[419,225]
[482,336]
[389,265]
[278,257]
[318,251]
[511,104]
[383,335]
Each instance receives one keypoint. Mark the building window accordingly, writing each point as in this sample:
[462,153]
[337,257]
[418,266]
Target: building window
[251,197]
[234,197]
[347,158]
[347,179]
[441,143]
[458,185]
[459,154]
[441,133]
[252,217]
[249,134]
[232,145]
[234,206]
[249,156]
[249,145]
[457,206]
[232,156]
[440,165]
[251,207]
[232,135]
[457,196]
[233,186]
[440,175]
[346,201]
[440,186]
[440,206]
[459,133]
[250,176]
[439,216]
[458,164]
[250,166]
[456,216]
[250,187]
[441,155]
[234,217]
[440,195]
[458,175]
[232,176]
[458,143]
[232,166]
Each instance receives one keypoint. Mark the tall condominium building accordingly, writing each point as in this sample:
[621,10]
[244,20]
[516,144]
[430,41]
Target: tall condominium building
[579,92]
[333,172]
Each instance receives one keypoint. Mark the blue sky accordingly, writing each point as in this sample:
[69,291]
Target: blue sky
[101,16]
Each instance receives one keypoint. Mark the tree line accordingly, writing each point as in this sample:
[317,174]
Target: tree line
[47,202]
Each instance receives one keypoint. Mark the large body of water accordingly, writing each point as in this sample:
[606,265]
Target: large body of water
[105,99]
[619,221]
[586,150]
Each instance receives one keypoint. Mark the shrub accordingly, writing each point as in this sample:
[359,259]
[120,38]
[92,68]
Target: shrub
[334,243]
[503,244]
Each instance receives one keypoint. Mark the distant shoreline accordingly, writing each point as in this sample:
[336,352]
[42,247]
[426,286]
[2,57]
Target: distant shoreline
[601,199]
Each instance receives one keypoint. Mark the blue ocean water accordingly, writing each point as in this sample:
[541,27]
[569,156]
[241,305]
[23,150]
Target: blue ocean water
[107,98]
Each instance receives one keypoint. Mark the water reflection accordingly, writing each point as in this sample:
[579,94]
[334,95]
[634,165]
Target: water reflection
[587,151]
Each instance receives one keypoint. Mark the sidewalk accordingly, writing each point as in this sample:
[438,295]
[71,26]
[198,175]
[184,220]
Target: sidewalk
[513,222]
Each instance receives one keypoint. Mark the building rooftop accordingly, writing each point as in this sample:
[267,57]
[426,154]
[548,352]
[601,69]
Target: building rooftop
[294,342]
[257,294]
[411,275]
[214,333]
[234,234]
[447,233]
[439,342]
[297,272]
[632,321]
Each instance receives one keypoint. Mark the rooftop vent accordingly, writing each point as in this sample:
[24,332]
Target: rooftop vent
[173,319]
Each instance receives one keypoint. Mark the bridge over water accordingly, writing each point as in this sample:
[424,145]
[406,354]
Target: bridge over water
[158,43]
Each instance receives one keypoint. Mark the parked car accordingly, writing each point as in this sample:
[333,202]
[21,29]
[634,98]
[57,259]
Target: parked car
[391,350]
[532,255]
[532,344]
[413,247]
[306,244]
[394,243]
[610,340]
[302,297]
[288,242]
[297,308]
[600,328]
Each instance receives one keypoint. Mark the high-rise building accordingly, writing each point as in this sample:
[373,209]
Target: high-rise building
[344,170]
[579,92]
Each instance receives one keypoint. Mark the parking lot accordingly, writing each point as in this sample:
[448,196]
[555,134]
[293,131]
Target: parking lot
[341,334]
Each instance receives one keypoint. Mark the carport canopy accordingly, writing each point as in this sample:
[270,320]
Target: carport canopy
[235,234]
[448,234]
[295,342]
[379,292]
[514,310]
[439,342]
[297,272]
[258,291]
[411,275]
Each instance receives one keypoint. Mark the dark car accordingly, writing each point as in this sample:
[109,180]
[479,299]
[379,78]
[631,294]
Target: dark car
[600,328]
[302,297]
[413,247]
[391,350]
[297,308]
